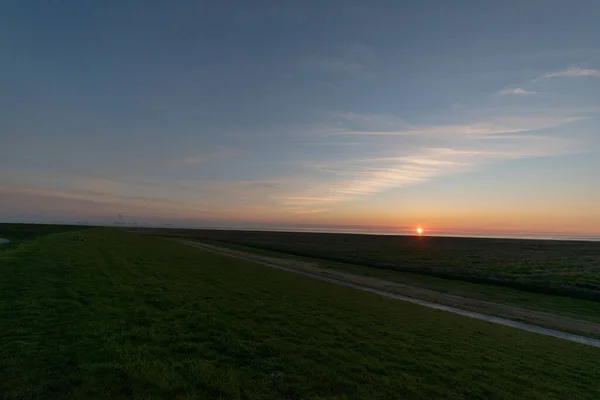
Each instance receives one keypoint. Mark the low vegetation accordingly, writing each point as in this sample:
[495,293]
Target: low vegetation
[570,268]
[122,315]
[18,233]
[573,315]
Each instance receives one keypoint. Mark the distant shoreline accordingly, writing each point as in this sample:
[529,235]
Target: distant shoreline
[527,236]
[353,231]
[350,231]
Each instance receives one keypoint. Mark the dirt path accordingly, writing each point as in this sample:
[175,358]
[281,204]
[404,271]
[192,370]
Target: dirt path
[459,311]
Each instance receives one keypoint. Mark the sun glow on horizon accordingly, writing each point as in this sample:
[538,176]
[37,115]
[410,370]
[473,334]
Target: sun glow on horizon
[420,230]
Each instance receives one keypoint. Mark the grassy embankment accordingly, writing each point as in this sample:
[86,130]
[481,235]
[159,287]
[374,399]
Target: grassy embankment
[488,299]
[570,268]
[306,248]
[123,315]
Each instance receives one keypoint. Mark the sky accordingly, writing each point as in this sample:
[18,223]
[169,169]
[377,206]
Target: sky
[457,116]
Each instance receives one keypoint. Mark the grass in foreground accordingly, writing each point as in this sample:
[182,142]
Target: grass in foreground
[123,316]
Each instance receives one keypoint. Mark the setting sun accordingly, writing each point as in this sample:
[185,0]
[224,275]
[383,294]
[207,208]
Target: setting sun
[420,230]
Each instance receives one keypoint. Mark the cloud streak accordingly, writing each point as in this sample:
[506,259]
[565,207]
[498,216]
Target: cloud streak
[202,197]
[353,60]
[478,128]
[459,148]
[516,91]
[572,72]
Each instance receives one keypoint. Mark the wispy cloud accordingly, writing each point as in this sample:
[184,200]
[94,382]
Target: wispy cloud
[311,211]
[352,60]
[226,197]
[573,72]
[433,152]
[91,195]
[515,91]
[356,181]
[494,126]
[370,122]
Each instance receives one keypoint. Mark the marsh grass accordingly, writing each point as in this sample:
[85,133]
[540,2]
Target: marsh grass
[130,316]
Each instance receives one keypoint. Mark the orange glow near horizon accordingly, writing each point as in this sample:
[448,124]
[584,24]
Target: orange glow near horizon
[420,230]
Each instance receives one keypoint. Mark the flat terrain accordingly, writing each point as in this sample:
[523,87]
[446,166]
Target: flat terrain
[129,316]
[569,268]
[384,291]
[18,233]
[576,316]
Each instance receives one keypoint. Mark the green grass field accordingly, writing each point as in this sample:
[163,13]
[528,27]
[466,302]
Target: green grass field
[18,233]
[569,268]
[128,316]
[580,309]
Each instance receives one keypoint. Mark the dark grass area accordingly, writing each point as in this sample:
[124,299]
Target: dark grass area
[580,309]
[128,316]
[570,268]
[18,233]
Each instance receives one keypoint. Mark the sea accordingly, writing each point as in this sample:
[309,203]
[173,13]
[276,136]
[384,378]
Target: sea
[531,236]
[400,232]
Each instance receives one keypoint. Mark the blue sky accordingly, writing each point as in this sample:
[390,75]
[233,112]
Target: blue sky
[478,116]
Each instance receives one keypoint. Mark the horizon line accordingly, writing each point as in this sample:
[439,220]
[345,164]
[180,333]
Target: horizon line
[354,230]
